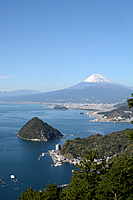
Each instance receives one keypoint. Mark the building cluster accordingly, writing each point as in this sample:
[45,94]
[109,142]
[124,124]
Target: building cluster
[85,106]
[103,118]
[58,158]
[93,109]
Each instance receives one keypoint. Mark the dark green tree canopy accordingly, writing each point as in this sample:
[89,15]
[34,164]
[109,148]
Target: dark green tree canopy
[130,101]
[37,129]
[118,182]
[130,104]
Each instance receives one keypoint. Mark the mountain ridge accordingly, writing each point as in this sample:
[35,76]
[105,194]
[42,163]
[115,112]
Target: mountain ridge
[18,92]
[99,91]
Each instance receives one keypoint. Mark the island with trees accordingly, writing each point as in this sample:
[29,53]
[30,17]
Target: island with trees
[37,130]
[111,180]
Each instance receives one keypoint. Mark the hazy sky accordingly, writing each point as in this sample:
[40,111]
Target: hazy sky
[53,44]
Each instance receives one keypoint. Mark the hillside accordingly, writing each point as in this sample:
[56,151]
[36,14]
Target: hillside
[36,129]
[122,111]
[105,145]
[95,89]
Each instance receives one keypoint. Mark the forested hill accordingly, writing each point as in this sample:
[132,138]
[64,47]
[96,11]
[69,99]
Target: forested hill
[36,129]
[107,145]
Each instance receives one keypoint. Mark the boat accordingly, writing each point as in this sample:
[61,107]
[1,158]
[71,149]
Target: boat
[81,113]
[58,164]
[13,178]
[2,180]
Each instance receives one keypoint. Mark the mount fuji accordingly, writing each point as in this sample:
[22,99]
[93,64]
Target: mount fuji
[94,89]
[96,80]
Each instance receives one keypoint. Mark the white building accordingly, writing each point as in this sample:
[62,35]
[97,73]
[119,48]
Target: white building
[57,147]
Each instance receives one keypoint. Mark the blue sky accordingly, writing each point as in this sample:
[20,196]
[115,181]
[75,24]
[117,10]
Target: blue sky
[53,44]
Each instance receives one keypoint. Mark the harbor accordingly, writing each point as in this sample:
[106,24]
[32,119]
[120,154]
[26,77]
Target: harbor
[42,154]
[58,158]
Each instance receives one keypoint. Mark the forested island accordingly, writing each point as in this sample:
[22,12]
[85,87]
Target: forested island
[37,130]
[59,107]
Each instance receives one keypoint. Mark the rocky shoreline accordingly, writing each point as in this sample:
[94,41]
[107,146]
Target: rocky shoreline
[38,140]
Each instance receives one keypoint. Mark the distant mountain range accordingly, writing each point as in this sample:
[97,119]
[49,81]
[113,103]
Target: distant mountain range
[18,93]
[94,89]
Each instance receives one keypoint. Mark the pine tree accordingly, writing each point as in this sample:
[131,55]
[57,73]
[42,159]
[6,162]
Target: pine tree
[118,182]
[85,180]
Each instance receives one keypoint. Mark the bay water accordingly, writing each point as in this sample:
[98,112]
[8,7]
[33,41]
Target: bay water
[20,157]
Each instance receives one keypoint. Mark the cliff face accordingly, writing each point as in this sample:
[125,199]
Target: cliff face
[36,129]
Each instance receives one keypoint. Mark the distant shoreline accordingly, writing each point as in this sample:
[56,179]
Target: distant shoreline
[90,109]
[71,105]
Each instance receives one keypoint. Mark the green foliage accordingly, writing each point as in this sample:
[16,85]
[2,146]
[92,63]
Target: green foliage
[130,105]
[130,102]
[130,135]
[92,181]
[29,194]
[118,182]
[37,129]
[107,145]
[85,180]
[51,193]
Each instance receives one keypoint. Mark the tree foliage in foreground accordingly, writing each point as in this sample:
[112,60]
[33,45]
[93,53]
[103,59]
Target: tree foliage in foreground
[92,182]
[130,105]
[118,182]
[51,193]
[85,180]
[112,181]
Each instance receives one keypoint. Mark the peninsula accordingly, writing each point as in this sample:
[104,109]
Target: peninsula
[107,145]
[37,130]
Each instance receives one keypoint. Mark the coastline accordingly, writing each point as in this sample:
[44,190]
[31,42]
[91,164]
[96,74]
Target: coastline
[91,110]
[38,140]
[34,140]
[71,105]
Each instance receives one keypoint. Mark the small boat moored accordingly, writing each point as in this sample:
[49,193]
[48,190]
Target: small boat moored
[2,181]
[13,178]
[58,164]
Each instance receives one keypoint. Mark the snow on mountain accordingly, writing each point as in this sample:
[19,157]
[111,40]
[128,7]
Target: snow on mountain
[97,78]
[93,80]
[94,89]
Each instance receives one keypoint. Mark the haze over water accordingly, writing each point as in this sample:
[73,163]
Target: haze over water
[20,157]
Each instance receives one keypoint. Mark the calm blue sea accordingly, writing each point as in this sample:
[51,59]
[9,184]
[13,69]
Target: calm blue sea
[20,157]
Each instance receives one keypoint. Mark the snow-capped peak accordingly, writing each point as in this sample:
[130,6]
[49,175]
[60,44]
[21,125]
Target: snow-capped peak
[97,78]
